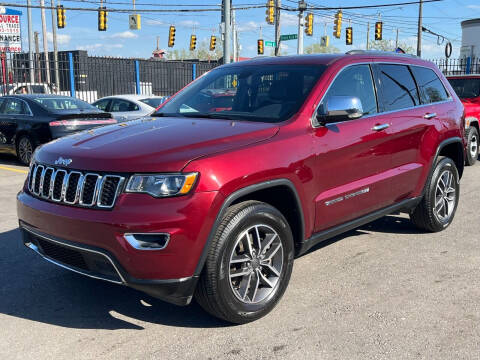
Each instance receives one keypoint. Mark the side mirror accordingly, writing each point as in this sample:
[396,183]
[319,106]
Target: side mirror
[340,108]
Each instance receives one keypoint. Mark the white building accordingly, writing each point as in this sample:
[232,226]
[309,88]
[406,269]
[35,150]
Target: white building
[470,39]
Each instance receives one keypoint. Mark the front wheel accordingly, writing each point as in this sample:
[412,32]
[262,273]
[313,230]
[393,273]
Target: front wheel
[24,149]
[249,263]
[437,208]
[472,145]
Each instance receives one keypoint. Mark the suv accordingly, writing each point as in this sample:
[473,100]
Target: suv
[467,88]
[217,204]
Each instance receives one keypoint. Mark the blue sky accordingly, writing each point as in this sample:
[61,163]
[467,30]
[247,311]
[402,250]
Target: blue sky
[81,31]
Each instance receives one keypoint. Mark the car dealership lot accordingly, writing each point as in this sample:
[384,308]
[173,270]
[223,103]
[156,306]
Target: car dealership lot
[383,291]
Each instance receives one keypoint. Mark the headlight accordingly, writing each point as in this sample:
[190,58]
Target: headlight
[161,185]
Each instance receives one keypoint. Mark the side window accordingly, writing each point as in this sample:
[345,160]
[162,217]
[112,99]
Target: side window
[14,107]
[102,104]
[398,88]
[120,105]
[431,88]
[354,81]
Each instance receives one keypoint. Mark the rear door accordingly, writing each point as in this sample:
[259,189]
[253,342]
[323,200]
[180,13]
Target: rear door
[11,112]
[353,158]
[399,102]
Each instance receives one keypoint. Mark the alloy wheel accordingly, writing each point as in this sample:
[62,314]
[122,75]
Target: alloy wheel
[256,264]
[474,147]
[25,150]
[445,196]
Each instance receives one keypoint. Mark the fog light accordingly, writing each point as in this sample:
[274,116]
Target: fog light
[148,241]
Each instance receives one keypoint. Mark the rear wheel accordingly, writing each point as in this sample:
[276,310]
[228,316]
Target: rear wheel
[472,145]
[439,204]
[24,149]
[249,264]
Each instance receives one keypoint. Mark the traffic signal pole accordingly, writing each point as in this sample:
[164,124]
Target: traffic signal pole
[419,34]
[55,46]
[278,3]
[228,32]
[301,26]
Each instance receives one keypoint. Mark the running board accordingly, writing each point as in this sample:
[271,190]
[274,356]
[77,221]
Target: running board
[319,237]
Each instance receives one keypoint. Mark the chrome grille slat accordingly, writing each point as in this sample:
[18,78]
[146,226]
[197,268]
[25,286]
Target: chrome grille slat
[71,187]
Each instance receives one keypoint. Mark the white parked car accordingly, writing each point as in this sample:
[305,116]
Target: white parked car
[129,107]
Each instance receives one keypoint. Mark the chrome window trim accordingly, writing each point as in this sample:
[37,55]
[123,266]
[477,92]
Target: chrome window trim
[128,237]
[35,248]
[313,118]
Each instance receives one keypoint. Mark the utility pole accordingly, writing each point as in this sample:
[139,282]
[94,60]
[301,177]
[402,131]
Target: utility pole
[396,41]
[419,35]
[302,6]
[30,42]
[234,35]
[37,57]
[278,3]
[45,41]
[55,47]
[368,34]
[228,31]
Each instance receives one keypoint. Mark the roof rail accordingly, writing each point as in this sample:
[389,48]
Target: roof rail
[377,52]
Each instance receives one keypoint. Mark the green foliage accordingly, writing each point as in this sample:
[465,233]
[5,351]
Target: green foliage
[389,45]
[319,49]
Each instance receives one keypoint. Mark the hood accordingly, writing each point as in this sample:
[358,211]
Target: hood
[152,144]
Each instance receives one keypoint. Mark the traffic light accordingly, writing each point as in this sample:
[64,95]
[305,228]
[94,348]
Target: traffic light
[260,48]
[102,18]
[213,42]
[60,17]
[378,30]
[193,42]
[337,27]
[309,24]
[171,36]
[349,36]
[270,12]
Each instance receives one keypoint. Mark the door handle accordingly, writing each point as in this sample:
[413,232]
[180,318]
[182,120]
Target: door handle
[380,127]
[430,115]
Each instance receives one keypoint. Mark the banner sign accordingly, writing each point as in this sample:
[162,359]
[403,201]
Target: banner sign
[10,30]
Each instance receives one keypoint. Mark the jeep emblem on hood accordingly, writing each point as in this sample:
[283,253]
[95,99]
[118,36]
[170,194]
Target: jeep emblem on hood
[62,161]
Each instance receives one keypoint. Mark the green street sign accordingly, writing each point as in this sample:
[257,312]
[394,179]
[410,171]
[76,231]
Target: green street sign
[288,37]
[270,43]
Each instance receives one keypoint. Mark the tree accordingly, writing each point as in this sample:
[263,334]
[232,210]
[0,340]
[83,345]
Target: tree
[319,49]
[202,52]
[389,45]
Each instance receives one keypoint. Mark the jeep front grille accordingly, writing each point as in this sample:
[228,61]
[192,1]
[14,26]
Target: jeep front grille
[74,187]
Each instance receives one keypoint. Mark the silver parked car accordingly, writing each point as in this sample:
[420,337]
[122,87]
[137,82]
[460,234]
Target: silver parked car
[129,107]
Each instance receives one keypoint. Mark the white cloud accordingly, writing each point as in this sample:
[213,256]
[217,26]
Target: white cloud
[124,35]
[154,22]
[476,7]
[283,46]
[62,39]
[99,46]
[249,26]
[288,19]
[189,23]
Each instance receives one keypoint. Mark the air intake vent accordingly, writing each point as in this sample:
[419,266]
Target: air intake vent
[74,187]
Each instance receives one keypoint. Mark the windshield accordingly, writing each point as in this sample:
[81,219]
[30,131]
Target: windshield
[154,102]
[64,104]
[270,93]
[466,88]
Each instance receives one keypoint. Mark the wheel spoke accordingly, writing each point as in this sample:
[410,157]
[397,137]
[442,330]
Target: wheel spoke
[439,206]
[239,259]
[271,268]
[258,239]
[247,245]
[244,285]
[253,286]
[264,280]
[268,241]
[272,251]
[239,272]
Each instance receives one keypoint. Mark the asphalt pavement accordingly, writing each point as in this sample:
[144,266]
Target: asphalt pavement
[384,291]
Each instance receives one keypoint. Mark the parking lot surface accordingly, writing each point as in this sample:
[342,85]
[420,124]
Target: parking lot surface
[384,291]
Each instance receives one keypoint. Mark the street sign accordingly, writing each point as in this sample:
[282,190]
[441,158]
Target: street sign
[270,43]
[288,37]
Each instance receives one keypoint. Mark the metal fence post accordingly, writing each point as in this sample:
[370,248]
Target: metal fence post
[469,65]
[137,76]
[194,71]
[72,74]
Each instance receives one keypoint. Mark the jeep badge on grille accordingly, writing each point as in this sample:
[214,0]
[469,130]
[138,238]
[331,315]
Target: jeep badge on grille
[62,161]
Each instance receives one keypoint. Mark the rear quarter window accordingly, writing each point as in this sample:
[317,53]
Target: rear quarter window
[398,89]
[430,86]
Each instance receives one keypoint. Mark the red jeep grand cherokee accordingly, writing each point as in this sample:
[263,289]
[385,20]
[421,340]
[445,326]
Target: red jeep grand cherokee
[217,204]
[467,87]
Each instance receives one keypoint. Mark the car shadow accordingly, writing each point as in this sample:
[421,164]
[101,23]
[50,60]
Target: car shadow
[7,159]
[32,288]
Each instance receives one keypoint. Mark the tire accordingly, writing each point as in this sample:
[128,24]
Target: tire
[225,294]
[437,208]
[472,145]
[25,149]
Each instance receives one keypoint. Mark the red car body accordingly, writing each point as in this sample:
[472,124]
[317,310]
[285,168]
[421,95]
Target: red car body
[310,165]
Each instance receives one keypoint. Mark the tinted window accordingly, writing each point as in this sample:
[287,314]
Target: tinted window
[120,105]
[466,88]
[431,88]
[246,92]
[14,107]
[398,87]
[102,104]
[154,102]
[61,104]
[354,81]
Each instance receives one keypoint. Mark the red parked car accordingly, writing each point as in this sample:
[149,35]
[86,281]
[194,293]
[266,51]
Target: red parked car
[467,88]
[217,204]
